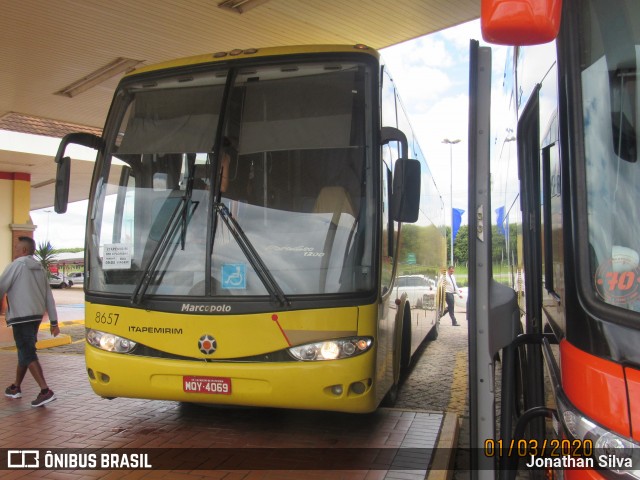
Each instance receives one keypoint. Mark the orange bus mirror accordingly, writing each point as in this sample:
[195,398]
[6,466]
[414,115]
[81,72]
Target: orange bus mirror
[520,22]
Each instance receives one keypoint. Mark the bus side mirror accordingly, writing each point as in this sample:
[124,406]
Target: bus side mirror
[63,171]
[520,22]
[405,200]
[405,195]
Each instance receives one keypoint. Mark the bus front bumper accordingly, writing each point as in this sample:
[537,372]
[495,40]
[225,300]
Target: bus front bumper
[340,385]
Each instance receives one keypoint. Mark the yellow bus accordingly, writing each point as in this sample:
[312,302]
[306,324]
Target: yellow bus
[243,232]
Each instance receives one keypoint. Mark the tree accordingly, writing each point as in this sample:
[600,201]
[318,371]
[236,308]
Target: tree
[425,244]
[461,246]
[46,255]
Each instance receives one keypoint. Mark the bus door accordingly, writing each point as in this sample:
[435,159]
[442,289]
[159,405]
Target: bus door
[528,135]
[495,330]
[492,308]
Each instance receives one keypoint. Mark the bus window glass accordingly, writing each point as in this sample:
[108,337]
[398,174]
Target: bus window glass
[295,181]
[611,53]
[424,245]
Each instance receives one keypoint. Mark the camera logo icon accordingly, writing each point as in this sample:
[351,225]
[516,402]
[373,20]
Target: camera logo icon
[23,459]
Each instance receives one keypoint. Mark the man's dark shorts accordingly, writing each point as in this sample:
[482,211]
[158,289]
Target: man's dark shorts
[26,335]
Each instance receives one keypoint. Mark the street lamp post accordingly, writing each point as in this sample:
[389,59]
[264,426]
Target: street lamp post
[451,143]
[48,215]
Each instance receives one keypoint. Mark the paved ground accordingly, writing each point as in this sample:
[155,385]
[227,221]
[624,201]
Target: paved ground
[438,382]
[435,384]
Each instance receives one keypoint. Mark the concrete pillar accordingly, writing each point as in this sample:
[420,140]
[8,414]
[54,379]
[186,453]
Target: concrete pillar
[15,220]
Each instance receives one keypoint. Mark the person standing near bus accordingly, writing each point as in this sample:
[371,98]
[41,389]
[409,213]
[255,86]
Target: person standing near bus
[451,288]
[29,295]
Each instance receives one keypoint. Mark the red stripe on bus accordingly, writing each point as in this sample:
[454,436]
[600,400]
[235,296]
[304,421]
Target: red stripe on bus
[596,387]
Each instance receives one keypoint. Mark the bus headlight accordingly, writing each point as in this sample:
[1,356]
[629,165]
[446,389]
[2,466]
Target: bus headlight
[331,349]
[610,451]
[109,341]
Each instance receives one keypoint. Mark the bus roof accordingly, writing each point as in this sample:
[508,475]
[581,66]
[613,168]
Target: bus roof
[240,54]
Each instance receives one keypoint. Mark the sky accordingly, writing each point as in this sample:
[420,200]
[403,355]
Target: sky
[432,76]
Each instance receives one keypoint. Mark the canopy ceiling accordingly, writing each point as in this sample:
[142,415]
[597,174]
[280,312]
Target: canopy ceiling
[46,46]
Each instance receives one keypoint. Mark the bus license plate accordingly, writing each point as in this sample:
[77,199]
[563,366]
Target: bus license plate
[212,385]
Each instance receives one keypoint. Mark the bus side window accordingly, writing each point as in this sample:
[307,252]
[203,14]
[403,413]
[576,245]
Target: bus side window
[387,229]
[623,114]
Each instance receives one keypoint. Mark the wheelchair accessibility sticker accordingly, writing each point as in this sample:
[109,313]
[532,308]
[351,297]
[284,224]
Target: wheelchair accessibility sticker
[234,275]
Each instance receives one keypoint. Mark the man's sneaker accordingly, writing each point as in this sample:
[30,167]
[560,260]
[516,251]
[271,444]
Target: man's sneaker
[44,398]
[13,392]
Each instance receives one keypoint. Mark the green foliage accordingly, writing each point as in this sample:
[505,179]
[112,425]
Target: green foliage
[70,250]
[461,246]
[432,250]
[499,251]
[46,255]
[426,244]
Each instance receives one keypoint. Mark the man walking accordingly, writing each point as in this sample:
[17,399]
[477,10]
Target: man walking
[29,295]
[450,288]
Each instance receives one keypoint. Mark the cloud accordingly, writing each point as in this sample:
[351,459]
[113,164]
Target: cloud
[460,35]
[65,230]
[432,75]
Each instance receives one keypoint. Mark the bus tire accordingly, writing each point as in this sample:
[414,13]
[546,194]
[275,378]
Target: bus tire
[391,397]
[434,332]
[405,349]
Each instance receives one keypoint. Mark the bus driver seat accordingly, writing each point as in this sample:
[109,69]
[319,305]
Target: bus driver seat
[333,200]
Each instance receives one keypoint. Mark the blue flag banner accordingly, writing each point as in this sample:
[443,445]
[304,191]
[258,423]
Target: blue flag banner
[500,221]
[456,219]
[506,229]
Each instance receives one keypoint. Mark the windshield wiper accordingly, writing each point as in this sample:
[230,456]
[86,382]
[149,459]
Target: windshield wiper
[179,218]
[191,163]
[252,255]
[158,252]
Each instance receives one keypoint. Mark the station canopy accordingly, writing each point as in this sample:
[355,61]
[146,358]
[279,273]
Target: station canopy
[48,46]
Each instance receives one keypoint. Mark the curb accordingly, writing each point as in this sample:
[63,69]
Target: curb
[46,341]
[49,341]
[62,339]
[442,466]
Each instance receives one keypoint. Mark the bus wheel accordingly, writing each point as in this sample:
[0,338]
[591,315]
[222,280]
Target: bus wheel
[405,349]
[391,397]
[433,333]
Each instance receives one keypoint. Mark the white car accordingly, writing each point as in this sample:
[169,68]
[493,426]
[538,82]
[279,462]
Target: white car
[77,278]
[461,302]
[59,281]
[420,290]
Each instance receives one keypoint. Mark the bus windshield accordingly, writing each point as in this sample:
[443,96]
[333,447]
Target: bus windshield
[611,52]
[242,182]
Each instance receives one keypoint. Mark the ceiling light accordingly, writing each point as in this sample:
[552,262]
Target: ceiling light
[43,184]
[119,65]
[240,6]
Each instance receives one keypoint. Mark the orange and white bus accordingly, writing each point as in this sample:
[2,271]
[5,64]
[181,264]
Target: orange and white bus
[572,106]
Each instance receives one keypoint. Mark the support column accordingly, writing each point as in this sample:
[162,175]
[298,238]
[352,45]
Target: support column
[15,221]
